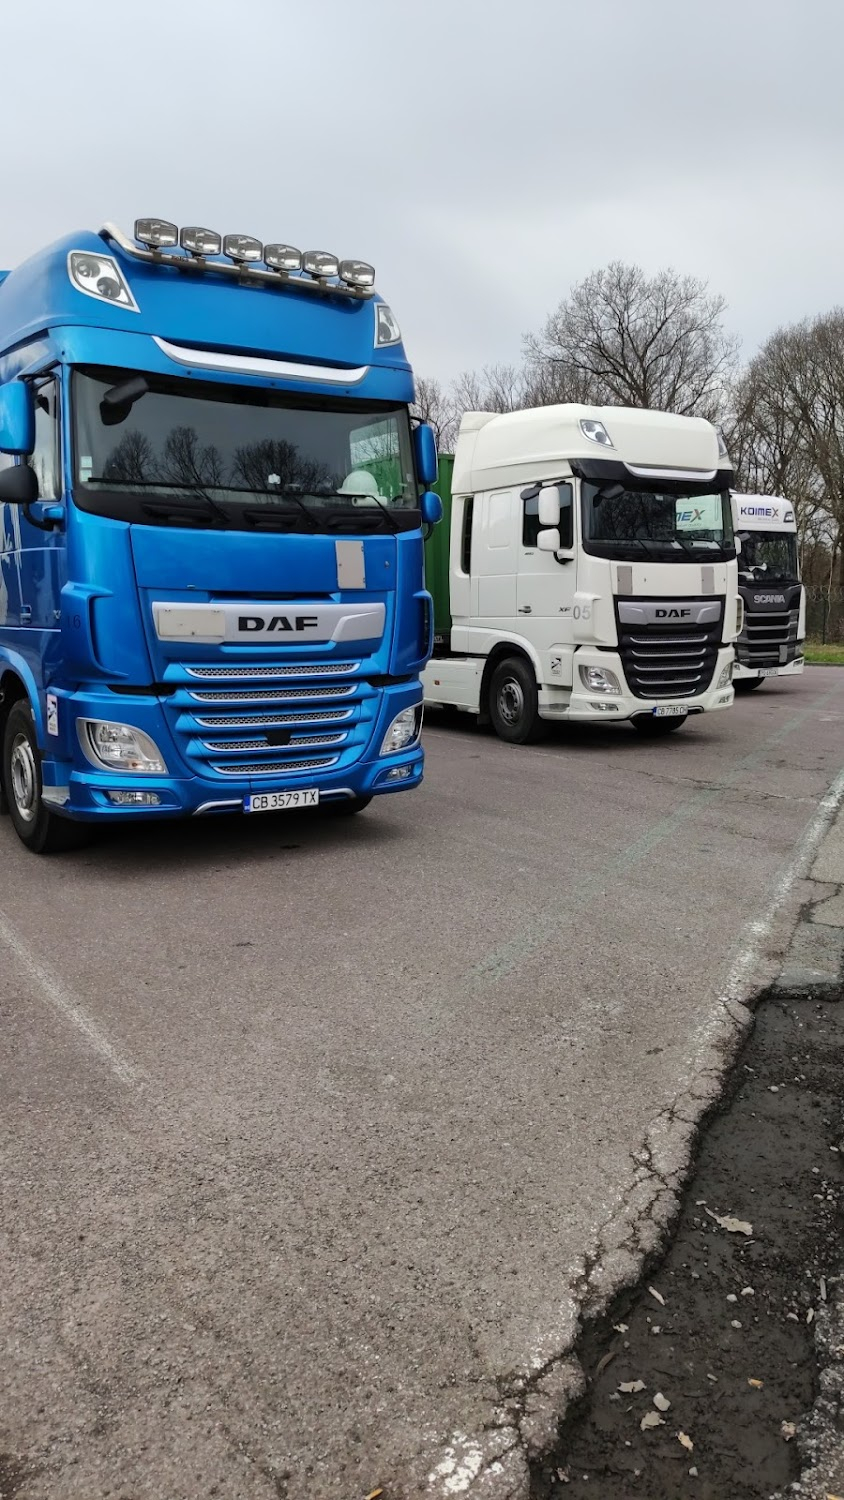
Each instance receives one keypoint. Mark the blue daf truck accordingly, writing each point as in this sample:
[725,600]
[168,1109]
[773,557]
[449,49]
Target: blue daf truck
[213,501]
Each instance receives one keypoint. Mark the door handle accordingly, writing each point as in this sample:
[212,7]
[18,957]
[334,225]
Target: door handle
[26,614]
[525,609]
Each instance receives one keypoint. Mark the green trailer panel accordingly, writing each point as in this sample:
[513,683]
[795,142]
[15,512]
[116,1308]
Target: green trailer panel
[436,552]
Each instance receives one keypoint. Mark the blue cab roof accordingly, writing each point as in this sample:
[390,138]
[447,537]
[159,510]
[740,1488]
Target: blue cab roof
[200,310]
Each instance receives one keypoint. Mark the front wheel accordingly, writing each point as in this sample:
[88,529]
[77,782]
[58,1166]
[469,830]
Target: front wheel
[747,684]
[653,728]
[513,702]
[35,825]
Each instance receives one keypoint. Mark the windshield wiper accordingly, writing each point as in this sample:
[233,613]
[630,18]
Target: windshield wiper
[164,505]
[351,495]
[254,513]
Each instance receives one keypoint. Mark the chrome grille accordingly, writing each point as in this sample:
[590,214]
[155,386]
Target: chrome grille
[260,723]
[270,721]
[268,673]
[226,747]
[276,767]
[660,663]
[276,695]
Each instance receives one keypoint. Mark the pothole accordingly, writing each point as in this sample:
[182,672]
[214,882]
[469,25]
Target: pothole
[721,1332]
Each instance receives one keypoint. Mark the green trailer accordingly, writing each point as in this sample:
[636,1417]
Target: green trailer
[437,554]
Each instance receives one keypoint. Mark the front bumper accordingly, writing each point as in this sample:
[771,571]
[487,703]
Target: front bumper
[789,669]
[598,708]
[77,789]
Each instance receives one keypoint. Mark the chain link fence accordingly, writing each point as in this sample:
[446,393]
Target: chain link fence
[824,613]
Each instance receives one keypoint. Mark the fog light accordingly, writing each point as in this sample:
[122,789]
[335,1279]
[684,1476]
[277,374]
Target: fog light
[403,730]
[599,680]
[134,799]
[399,773]
[726,676]
[605,708]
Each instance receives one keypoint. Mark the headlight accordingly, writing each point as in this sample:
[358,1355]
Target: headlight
[200,242]
[242,248]
[282,257]
[320,263]
[99,276]
[119,747]
[403,730]
[599,680]
[387,330]
[357,273]
[596,432]
[726,676]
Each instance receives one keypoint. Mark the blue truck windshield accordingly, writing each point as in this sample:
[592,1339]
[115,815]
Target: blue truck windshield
[664,526]
[178,452]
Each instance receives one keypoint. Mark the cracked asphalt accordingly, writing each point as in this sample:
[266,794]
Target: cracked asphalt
[317,1138]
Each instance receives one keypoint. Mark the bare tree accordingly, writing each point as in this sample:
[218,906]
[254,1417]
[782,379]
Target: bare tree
[625,338]
[435,405]
[790,416]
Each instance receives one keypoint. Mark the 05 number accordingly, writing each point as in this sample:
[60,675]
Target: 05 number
[582,612]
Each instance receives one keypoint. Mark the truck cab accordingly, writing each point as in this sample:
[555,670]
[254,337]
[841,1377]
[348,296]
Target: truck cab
[591,571]
[771,641]
[212,499]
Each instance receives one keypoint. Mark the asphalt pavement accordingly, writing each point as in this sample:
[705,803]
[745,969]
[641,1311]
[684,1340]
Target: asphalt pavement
[317,1137]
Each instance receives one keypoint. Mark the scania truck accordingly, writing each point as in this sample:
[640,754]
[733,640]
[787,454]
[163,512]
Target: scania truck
[212,500]
[587,573]
[771,643]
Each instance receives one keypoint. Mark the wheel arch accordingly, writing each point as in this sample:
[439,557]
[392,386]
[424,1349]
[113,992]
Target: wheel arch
[500,651]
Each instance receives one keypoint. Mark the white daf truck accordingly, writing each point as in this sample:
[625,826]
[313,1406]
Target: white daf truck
[771,643]
[587,573]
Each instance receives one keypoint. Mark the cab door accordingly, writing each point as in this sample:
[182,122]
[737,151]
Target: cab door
[546,585]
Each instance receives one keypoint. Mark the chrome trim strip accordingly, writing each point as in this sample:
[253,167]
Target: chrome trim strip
[209,806]
[55,796]
[244,364]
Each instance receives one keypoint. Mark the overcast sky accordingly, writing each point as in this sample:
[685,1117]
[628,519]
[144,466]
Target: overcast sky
[484,154]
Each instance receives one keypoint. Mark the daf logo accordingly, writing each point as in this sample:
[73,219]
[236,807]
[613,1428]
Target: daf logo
[285,623]
[672,614]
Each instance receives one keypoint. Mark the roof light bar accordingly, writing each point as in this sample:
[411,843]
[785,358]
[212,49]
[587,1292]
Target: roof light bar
[156,234]
[320,263]
[195,248]
[283,257]
[200,242]
[242,248]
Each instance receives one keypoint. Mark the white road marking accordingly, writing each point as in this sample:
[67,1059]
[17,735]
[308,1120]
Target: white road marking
[64,1001]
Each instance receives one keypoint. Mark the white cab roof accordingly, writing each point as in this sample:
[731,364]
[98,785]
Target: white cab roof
[763,513]
[518,447]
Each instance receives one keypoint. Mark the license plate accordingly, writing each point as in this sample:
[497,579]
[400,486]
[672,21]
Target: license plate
[769,672]
[281,801]
[669,711]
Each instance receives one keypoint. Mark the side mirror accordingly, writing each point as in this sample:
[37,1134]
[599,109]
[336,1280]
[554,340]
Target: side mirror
[549,541]
[18,485]
[431,507]
[549,506]
[17,418]
[425,453]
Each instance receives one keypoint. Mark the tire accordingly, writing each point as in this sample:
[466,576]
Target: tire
[41,830]
[747,684]
[654,729]
[513,702]
[348,807]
